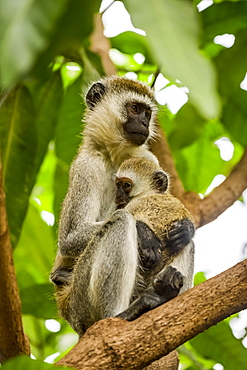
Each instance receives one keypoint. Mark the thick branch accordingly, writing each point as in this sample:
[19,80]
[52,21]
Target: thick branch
[101,46]
[225,194]
[116,344]
[12,339]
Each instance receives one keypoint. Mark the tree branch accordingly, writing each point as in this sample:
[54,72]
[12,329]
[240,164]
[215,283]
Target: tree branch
[13,342]
[101,45]
[117,344]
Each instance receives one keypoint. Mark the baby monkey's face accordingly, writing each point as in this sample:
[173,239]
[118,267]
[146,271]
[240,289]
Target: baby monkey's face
[123,191]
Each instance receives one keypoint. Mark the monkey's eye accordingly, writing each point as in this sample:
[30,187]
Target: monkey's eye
[135,108]
[127,185]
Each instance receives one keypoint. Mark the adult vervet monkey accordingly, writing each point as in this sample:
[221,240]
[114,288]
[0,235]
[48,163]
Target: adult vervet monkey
[119,122]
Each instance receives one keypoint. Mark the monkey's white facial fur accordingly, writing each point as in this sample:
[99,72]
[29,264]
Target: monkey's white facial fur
[121,111]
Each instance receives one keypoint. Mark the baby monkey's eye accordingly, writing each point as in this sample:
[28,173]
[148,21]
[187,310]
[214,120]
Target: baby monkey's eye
[127,185]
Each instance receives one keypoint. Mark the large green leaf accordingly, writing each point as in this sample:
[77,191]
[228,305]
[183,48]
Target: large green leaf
[234,115]
[37,300]
[26,363]
[25,30]
[131,43]
[219,344]
[172,29]
[199,163]
[47,98]
[227,17]
[188,127]
[36,31]
[69,125]
[36,249]
[68,138]
[18,144]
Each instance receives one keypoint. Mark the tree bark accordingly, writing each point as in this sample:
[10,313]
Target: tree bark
[13,342]
[116,344]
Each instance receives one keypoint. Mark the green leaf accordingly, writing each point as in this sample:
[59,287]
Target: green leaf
[36,249]
[199,278]
[172,29]
[234,117]
[234,114]
[18,144]
[37,300]
[189,126]
[219,344]
[26,363]
[48,98]
[132,43]
[69,126]
[199,163]
[68,138]
[227,17]
[74,26]
[25,32]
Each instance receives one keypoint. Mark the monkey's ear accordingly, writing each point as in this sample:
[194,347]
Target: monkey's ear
[94,94]
[160,181]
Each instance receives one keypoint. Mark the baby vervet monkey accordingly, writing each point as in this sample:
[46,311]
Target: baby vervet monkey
[142,188]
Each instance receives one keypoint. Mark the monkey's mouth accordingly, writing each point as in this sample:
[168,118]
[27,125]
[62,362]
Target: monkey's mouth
[139,133]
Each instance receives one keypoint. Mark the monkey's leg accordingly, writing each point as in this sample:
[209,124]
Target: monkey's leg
[105,274]
[165,286]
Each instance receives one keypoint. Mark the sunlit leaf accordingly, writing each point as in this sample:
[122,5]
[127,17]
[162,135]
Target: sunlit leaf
[172,29]
[18,144]
[199,278]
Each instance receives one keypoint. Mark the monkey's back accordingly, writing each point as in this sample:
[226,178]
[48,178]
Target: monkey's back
[158,211]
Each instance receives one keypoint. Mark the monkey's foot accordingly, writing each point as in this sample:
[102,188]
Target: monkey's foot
[166,285]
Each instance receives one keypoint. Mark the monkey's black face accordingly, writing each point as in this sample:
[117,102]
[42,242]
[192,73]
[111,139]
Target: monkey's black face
[124,186]
[136,128]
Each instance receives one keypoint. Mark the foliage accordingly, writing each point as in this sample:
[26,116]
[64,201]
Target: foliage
[40,129]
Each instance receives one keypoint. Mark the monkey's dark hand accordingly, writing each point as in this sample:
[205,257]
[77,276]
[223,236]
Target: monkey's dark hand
[149,245]
[179,236]
[61,276]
